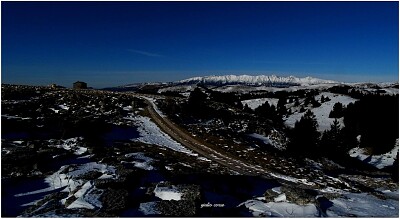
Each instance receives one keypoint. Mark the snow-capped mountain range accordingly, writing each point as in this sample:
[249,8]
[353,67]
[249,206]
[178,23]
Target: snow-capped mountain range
[271,80]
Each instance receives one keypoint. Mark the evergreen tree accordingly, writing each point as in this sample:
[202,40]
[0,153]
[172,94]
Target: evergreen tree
[281,106]
[197,97]
[332,141]
[196,104]
[337,111]
[304,136]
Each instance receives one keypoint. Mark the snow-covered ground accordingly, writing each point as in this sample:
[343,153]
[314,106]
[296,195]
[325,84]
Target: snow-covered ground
[322,112]
[379,161]
[69,178]
[149,208]
[391,91]
[363,205]
[268,140]
[280,209]
[347,205]
[15,117]
[291,179]
[256,80]
[70,144]
[151,134]
[167,193]
[64,106]
[254,103]
[140,161]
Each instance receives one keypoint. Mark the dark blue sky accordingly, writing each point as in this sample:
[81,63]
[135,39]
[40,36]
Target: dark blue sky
[116,43]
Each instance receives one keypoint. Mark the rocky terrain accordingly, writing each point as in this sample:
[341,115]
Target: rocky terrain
[163,151]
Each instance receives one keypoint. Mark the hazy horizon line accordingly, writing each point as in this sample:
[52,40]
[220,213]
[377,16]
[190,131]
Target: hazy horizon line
[340,78]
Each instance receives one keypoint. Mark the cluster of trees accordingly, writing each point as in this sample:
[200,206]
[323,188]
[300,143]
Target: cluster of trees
[227,98]
[268,111]
[202,105]
[373,117]
[304,136]
[376,119]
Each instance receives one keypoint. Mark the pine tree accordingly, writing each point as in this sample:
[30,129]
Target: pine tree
[281,106]
[305,137]
[332,141]
[337,111]
[197,97]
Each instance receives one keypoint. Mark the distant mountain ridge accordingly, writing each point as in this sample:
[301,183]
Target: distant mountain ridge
[259,80]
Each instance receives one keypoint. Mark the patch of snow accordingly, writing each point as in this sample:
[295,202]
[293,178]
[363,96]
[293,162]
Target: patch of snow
[280,209]
[291,179]
[322,112]
[332,190]
[127,108]
[15,117]
[280,198]
[266,140]
[167,193]
[254,103]
[69,179]
[87,197]
[56,111]
[277,189]
[151,134]
[363,205]
[149,208]
[64,107]
[70,144]
[390,194]
[18,142]
[185,165]
[391,91]
[204,159]
[379,161]
[141,161]
[271,139]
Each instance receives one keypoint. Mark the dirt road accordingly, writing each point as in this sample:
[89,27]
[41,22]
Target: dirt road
[201,148]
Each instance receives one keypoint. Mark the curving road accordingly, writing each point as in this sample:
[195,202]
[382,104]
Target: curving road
[180,136]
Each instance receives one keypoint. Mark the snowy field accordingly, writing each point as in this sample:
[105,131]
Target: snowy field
[70,144]
[322,112]
[379,161]
[69,179]
[347,205]
[168,193]
[254,103]
[151,134]
[139,160]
